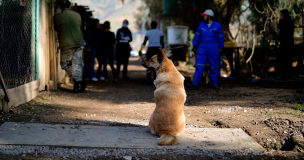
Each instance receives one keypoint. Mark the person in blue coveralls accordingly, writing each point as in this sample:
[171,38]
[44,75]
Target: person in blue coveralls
[207,42]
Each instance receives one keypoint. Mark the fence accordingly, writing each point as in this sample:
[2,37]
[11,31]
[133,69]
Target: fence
[18,38]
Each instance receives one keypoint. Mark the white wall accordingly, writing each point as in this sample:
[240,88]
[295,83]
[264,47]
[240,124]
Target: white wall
[43,50]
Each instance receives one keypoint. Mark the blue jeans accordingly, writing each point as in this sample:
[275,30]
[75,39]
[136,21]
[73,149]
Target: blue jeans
[94,54]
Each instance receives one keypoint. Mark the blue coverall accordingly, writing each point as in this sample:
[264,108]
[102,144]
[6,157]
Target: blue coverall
[208,41]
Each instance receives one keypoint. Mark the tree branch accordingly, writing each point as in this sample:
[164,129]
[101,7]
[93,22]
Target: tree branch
[252,53]
[258,10]
[246,8]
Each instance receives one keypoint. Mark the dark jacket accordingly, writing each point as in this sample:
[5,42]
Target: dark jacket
[93,38]
[107,40]
[67,24]
[286,27]
[123,44]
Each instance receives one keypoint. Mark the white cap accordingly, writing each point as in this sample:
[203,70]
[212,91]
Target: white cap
[208,12]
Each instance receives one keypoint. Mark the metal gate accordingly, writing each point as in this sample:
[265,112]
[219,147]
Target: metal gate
[18,41]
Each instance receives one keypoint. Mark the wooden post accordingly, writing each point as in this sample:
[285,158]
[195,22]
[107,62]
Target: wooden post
[1,104]
[52,48]
[5,106]
[6,99]
[4,87]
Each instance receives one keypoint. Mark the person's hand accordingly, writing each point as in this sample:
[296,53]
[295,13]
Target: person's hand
[140,53]
[122,38]
[194,49]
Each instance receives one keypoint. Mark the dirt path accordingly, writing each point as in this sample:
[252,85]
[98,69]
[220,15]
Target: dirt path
[265,111]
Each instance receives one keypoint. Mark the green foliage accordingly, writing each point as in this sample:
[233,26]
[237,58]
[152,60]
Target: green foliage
[153,7]
[263,9]
[294,112]
[298,107]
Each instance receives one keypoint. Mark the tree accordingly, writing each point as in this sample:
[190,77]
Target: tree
[227,11]
[154,8]
[190,11]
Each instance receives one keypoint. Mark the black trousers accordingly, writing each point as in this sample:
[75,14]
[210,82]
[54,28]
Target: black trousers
[150,53]
[122,57]
[285,58]
[108,58]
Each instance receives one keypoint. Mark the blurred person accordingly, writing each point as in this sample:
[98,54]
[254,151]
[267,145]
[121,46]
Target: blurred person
[71,44]
[93,39]
[286,27]
[101,27]
[123,38]
[107,40]
[156,40]
[207,42]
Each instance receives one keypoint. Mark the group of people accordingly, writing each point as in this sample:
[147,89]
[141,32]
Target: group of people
[102,43]
[71,43]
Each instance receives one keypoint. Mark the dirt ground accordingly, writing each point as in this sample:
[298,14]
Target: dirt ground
[270,113]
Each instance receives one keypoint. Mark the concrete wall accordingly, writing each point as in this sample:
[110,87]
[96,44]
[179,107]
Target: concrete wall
[43,50]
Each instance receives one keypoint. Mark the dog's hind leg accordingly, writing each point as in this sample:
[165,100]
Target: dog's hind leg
[153,132]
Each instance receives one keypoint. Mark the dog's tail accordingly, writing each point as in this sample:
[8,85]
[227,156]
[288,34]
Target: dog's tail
[168,139]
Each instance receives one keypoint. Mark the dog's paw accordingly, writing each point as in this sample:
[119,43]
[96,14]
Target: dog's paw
[152,131]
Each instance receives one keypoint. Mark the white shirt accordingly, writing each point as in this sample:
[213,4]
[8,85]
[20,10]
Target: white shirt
[153,36]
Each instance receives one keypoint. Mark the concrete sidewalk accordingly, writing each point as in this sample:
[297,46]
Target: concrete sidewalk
[121,137]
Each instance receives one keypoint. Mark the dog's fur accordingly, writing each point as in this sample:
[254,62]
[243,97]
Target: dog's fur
[168,119]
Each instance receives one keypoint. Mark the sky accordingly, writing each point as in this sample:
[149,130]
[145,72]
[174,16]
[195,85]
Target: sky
[114,11]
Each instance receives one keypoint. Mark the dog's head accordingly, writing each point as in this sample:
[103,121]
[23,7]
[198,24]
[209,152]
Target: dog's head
[154,63]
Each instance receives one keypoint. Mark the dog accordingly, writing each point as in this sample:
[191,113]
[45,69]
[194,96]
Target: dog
[168,119]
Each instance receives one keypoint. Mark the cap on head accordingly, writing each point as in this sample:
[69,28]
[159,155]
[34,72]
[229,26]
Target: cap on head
[208,12]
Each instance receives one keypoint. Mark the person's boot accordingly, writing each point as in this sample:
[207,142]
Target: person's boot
[83,85]
[76,87]
[215,87]
[192,86]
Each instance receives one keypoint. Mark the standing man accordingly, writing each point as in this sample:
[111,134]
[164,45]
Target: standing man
[67,24]
[286,27]
[93,39]
[123,38]
[107,41]
[207,42]
[156,40]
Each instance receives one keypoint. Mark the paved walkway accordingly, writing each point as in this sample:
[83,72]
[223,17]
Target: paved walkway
[121,137]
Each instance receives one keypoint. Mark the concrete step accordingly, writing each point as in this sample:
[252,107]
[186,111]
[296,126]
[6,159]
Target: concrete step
[84,136]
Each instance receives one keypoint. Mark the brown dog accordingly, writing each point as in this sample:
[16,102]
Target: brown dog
[168,119]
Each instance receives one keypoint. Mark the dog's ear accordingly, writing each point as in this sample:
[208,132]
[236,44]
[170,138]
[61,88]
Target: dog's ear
[161,55]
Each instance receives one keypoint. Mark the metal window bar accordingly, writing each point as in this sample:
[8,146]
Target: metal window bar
[18,37]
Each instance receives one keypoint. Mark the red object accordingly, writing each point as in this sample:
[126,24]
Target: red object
[203,14]
[22,2]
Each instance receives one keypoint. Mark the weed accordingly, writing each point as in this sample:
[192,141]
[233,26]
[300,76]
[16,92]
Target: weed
[298,107]
[294,112]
